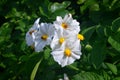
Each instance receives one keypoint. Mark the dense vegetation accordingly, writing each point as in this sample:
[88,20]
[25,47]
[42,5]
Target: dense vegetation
[99,23]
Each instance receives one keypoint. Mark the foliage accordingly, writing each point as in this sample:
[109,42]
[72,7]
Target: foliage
[100,24]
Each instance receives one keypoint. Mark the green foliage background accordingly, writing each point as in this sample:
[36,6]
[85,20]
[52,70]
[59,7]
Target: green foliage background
[100,24]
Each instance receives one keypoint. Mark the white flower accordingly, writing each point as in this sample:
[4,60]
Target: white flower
[67,53]
[44,36]
[68,23]
[65,45]
[58,39]
[29,35]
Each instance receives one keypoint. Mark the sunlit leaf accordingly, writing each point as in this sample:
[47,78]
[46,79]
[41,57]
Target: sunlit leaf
[47,53]
[114,43]
[87,76]
[35,70]
[116,24]
[58,6]
[112,67]
[117,78]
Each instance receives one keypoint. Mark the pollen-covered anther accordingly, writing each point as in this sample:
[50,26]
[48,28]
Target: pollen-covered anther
[67,52]
[44,37]
[30,32]
[80,36]
[61,40]
[64,25]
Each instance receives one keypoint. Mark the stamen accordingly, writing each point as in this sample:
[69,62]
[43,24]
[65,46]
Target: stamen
[31,32]
[80,36]
[64,25]
[61,40]
[67,52]
[44,37]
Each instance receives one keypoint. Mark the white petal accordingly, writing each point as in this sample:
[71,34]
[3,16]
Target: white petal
[51,30]
[37,21]
[35,25]
[48,40]
[43,28]
[39,45]
[71,60]
[57,25]
[29,39]
[54,44]
[64,61]
[75,56]
[58,55]
[68,19]
[59,19]
[77,46]
[75,25]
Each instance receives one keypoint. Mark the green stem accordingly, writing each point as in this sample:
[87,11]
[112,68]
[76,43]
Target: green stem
[73,67]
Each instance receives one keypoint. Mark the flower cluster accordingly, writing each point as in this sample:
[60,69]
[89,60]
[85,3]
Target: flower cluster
[62,36]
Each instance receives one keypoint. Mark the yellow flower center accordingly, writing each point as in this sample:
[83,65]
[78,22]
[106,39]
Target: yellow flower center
[64,25]
[61,40]
[67,52]
[80,36]
[44,37]
[31,32]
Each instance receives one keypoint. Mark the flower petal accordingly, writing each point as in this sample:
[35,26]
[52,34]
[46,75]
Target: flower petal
[29,39]
[58,55]
[39,45]
[64,61]
[75,56]
[71,60]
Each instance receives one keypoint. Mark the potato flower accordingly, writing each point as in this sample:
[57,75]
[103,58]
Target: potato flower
[58,39]
[29,35]
[65,45]
[67,53]
[44,36]
[67,24]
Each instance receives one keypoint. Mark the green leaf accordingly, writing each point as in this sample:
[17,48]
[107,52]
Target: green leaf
[13,13]
[2,65]
[58,6]
[80,1]
[117,78]
[112,67]
[88,32]
[100,31]
[87,76]
[108,31]
[35,70]
[94,7]
[87,4]
[97,54]
[10,55]
[95,16]
[60,12]
[116,24]
[42,12]
[47,53]
[105,75]
[114,42]
[24,58]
